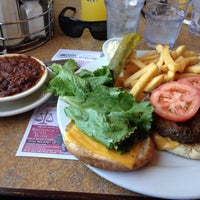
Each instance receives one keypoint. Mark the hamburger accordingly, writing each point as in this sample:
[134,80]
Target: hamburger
[108,128]
[176,124]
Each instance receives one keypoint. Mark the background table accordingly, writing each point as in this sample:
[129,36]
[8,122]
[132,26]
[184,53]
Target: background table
[55,178]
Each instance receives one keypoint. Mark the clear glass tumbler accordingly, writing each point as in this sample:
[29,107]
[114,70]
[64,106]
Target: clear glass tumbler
[122,16]
[164,20]
[195,18]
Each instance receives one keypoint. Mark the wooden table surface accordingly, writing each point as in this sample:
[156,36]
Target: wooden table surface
[57,178]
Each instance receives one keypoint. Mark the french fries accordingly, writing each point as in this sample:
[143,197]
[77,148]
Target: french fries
[152,70]
[160,66]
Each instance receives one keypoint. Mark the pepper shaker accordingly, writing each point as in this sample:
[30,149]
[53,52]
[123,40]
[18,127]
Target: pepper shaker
[32,11]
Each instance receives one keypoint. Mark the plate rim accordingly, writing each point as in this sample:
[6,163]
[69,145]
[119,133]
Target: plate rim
[42,97]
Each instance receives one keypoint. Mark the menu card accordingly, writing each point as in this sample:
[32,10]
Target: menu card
[42,137]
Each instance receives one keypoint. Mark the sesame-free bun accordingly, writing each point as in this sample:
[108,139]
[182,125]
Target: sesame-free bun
[186,150]
[144,155]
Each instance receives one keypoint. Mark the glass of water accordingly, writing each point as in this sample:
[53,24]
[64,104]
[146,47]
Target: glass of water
[122,16]
[163,20]
[195,18]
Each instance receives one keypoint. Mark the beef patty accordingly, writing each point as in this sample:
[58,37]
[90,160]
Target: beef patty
[183,132]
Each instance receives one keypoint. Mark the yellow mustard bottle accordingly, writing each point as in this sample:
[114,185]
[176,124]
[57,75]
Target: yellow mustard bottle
[93,10]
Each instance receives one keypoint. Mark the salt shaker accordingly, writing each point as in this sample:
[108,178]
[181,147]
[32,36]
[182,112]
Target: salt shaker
[31,10]
[9,17]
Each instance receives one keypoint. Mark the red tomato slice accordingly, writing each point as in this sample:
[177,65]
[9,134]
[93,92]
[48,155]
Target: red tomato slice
[175,101]
[192,81]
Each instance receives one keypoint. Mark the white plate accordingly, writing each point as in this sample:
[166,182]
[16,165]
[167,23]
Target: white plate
[25,104]
[167,176]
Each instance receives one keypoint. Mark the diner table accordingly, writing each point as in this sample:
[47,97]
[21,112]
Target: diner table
[49,178]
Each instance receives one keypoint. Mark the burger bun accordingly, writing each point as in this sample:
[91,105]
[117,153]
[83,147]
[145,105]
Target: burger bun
[88,157]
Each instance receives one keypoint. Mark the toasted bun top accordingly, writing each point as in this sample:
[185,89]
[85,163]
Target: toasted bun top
[97,155]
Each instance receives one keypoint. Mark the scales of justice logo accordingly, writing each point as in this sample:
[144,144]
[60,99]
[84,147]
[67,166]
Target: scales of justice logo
[45,117]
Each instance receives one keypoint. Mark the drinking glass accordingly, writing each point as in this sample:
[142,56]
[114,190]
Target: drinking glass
[195,18]
[122,17]
[163,20]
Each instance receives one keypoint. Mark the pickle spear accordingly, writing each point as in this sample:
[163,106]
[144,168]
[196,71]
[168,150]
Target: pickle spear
[126,46]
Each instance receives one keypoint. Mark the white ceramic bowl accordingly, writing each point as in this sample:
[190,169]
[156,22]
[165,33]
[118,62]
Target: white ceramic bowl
[110,46]
[20,70]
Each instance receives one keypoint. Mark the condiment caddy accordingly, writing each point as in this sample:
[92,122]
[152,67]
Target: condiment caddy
[25,24]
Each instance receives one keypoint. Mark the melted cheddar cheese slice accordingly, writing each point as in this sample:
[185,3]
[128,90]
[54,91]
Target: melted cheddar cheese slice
[164,143]
[74,135]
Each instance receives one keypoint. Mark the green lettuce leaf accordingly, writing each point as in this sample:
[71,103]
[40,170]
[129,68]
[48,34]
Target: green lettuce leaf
[106,114]
[110,117]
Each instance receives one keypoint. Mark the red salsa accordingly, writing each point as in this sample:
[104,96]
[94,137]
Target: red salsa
[18,74]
